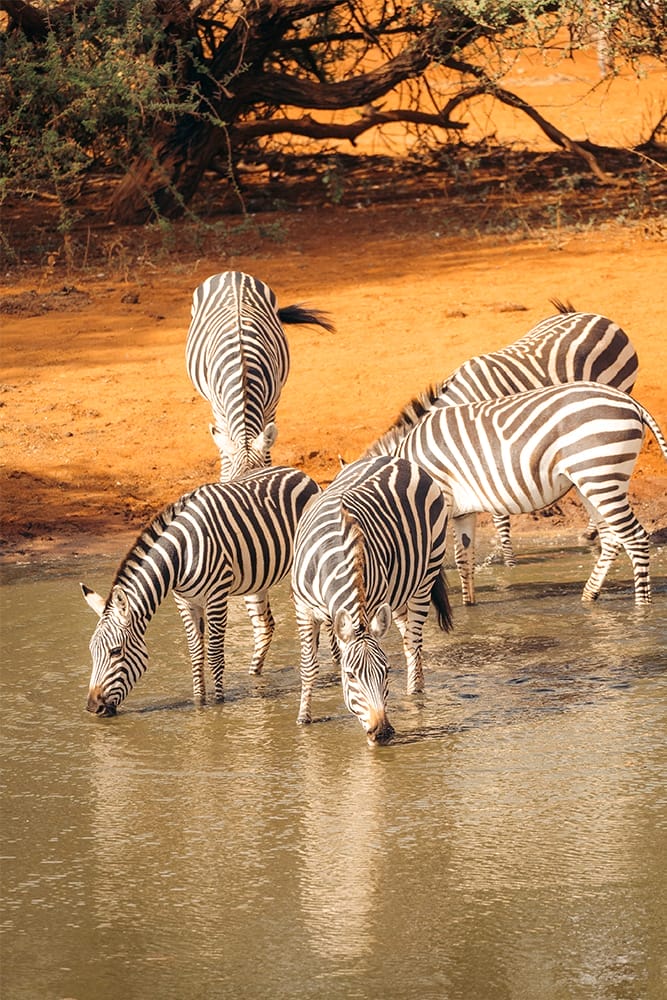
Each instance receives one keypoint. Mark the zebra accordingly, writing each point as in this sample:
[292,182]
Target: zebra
[370,546]
[237,358]
[520,453]
[218,540]
[568,347]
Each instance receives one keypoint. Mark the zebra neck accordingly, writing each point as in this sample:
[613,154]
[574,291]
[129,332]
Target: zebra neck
[149,571]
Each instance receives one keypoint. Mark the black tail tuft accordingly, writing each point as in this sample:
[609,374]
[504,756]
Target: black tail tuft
[297,314]
[562,307]
[440,601]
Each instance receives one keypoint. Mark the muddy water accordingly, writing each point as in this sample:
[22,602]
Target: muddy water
[511,843]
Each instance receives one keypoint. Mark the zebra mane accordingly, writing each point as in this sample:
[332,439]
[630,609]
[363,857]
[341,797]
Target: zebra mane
[354,536]
[407,419]
[148,536]
[562,307]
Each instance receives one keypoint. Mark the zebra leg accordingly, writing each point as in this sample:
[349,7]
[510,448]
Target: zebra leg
[410,624]
[637,547]
[333,644]
[590,532]
[620,530]
[502,525]
[263,627]
[194,621]
[464,553]
[216,613]
[610,546]
[309,634]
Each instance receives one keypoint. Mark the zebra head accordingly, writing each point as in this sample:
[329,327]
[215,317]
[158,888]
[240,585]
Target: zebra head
[238,459]
[364,671]
[118,650]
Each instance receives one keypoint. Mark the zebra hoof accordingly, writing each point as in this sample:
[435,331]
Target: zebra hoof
[303,721]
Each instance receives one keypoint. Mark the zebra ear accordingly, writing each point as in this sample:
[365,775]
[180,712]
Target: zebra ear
[92,599]
[270,433]
[221,439]
[343,625]
[120,603]
[381,621]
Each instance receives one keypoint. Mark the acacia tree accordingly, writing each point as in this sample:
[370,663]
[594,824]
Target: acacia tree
[176,84]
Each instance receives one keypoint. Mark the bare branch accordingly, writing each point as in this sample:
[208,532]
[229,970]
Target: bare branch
[312,129]
[489,87]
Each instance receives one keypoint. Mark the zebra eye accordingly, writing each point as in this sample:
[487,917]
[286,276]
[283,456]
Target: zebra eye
[115,652]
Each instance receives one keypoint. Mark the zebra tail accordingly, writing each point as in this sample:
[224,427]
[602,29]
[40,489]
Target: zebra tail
[562,307]
[297,314]
[652,423]
[440,601]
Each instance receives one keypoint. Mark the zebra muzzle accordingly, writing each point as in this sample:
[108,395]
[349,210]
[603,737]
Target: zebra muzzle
[381,732]
[96,705]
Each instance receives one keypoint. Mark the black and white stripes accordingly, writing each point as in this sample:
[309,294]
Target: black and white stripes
[237,357]
[219,540]
[523,452]
[569,347]
[498,435]
[371,546]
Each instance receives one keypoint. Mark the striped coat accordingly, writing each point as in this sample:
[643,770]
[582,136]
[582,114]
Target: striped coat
[238,359]
[518,454]
[218,541]
[369,547]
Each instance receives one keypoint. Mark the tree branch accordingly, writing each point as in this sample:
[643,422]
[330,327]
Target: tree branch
[371,117]
[277,88]
[487,86]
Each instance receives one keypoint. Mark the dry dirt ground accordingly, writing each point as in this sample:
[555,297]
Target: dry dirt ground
[101,426]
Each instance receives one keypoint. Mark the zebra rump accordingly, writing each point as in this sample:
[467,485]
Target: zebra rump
[369,547]
[520,453]
[238,359]
[220,540]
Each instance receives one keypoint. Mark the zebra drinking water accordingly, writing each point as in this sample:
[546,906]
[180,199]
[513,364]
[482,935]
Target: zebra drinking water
[219,540]
[237,357]
[520,453]
[370,546]
[569,347]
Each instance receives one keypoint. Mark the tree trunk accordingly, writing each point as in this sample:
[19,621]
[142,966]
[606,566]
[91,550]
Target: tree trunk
[162,182]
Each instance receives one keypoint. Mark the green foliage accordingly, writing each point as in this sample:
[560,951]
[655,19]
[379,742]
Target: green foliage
[87,97]
[174,87]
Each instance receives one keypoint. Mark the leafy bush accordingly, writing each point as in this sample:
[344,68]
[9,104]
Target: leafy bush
[86,97]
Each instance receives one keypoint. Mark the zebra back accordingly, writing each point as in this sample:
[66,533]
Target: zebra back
[238,358]
[569,347]
[240,532]
[370,538]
